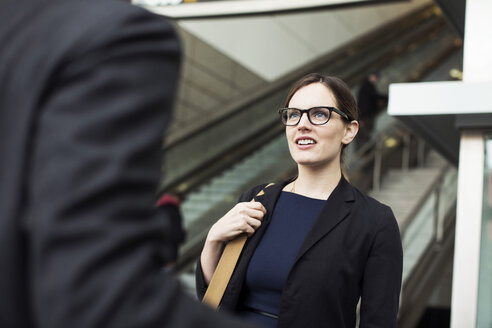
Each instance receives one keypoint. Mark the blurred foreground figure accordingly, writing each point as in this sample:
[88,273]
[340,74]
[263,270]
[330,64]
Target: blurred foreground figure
[86,88]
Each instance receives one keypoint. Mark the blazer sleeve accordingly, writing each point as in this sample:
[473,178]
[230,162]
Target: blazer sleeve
[382,276]
[95,238]
[201,285]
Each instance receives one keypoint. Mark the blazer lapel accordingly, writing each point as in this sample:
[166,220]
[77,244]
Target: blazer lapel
[270,197]
[268,200]
[335,210]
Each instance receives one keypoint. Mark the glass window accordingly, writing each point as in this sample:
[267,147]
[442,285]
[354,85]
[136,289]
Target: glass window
[484,315]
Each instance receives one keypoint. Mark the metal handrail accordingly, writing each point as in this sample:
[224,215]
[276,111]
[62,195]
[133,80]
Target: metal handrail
[373,151]
[434,188]
[423,272]
[174,183]
[366,153]
[179,182]
[441,224]
[373,40]
[405,160]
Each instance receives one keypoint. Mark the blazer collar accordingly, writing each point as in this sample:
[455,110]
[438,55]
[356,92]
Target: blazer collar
[271,195]
[335,210]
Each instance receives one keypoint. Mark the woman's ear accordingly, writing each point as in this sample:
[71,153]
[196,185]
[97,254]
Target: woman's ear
[351,130]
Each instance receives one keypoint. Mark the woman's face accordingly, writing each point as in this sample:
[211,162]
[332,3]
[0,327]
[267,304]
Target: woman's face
[317,145]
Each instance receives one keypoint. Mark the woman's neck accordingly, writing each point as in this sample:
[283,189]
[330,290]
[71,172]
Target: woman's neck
[316,182]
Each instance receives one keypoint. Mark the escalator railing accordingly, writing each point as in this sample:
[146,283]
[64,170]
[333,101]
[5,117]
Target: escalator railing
[428,241]
[214,185]
[427,234]
[253,121]
[272,163]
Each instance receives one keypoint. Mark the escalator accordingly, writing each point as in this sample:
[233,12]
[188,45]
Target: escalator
[392,158]
[212,167]
[195,158]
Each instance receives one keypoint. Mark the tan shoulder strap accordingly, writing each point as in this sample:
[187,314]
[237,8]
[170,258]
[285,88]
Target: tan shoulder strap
[225,267]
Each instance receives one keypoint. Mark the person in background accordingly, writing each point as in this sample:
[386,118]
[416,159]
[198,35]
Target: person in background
[370,104]
[169,205]
[86,93]
[316,244]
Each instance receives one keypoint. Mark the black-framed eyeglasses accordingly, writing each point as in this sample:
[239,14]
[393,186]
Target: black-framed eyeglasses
[318,115]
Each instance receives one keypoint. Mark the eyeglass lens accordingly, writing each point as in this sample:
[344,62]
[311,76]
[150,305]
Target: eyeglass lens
[318,115]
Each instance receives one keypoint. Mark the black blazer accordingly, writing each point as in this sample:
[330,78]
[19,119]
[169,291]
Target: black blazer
[86,90]
[353,250]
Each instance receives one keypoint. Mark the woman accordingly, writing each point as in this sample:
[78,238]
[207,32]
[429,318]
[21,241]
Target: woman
[317,244]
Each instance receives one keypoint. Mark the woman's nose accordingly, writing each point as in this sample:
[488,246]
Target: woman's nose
[304,122]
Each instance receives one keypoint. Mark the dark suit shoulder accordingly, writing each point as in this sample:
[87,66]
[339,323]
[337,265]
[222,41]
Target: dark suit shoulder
[372,210]
[368,200]
[91,24]
[65,39]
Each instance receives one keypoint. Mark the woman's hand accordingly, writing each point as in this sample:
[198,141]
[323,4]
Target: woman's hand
[242,218]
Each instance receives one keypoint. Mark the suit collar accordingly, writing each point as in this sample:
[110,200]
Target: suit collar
[342,192]
[271,195]
[335,210]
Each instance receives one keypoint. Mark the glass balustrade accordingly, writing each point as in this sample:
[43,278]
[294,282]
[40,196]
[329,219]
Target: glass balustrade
[484,315]
[428,223]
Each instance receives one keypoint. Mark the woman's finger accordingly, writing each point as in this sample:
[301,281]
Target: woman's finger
[249,230]
[255,223]
[253,213]
[257,206]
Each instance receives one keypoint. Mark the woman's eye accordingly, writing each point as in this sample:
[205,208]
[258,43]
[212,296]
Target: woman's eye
[320,114]
[293,115]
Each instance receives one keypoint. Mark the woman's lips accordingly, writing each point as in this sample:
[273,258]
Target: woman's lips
[305,142]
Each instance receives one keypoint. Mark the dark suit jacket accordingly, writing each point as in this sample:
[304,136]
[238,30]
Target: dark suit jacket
[86,89]
[353,250]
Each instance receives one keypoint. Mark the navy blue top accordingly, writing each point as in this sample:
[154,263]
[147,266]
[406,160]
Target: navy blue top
[272,260]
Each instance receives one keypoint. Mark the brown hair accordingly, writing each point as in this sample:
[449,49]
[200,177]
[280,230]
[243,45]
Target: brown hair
[345,101]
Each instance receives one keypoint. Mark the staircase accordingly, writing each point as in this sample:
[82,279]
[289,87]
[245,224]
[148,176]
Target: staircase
[423,200]
[411,194]
[402,190]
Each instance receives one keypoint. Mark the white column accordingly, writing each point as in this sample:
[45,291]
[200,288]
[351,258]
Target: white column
[477,68]
[468,227]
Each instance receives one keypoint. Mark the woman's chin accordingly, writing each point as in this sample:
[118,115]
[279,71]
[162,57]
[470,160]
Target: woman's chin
[310,163]
[315,163]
